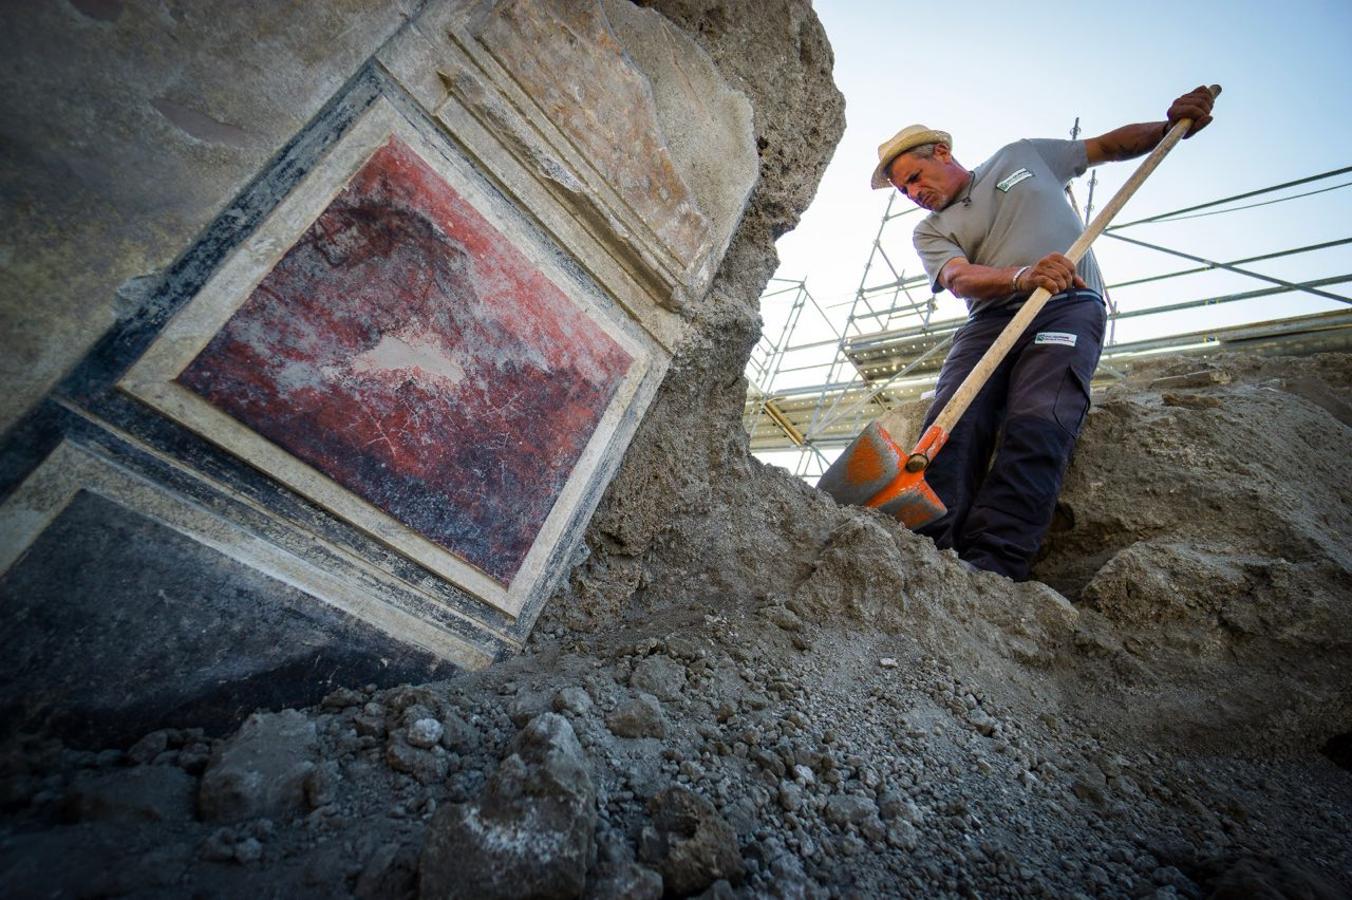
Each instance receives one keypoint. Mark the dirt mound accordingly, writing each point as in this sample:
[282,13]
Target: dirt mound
[1206,533]
[780,747]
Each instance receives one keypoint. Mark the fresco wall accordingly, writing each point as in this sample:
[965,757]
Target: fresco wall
[354,432]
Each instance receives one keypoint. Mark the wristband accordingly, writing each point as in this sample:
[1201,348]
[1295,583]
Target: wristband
[1014,282]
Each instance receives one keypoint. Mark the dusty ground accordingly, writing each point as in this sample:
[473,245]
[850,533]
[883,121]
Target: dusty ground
[887,724]
[745,690]
[909,730]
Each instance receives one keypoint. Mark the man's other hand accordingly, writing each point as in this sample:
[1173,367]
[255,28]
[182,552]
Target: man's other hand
[1055,272]
[1195,105]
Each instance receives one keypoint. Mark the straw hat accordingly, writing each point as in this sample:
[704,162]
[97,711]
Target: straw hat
[908,138]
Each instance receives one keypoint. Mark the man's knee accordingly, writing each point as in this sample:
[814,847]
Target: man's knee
[1031,462]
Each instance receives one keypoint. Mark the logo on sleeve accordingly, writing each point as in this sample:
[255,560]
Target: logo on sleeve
[1055,337]
[1012,179]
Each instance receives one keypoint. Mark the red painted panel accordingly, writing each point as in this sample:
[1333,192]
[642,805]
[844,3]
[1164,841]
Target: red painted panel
[408,350]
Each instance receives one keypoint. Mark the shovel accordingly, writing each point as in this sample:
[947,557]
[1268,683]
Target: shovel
[874,471]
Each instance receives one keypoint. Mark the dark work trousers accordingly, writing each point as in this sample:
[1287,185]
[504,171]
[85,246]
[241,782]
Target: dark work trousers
[998,511]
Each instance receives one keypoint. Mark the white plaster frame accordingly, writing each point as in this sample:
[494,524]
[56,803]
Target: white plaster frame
[151,379]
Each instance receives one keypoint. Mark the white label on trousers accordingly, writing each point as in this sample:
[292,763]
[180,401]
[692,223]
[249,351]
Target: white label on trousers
[1055,337]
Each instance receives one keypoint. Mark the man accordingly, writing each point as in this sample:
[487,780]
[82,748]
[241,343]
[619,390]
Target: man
[994,235]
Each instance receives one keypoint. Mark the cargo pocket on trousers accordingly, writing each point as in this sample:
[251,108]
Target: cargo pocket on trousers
[1072,402]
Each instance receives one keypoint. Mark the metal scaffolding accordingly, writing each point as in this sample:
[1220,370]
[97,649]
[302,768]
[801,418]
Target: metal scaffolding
[892,344]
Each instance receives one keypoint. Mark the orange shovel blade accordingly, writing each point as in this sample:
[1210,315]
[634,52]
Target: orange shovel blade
[911,501]
[872,472]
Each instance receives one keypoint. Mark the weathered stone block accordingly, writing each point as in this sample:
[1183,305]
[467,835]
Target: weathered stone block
[261,770]
[689,842]
[137,794]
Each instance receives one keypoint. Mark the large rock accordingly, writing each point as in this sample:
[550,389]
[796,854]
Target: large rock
[689,842]
[629,881]
[427,764]
[1155,581]
[262,770]
[849,809]
[530,834]
[862,574]
[659,675]
[638,717]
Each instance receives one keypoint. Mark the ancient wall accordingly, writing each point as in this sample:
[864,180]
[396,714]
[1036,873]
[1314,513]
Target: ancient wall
[325,331]
[691,512]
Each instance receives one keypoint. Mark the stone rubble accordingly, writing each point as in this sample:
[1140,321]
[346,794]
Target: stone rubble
[848,780]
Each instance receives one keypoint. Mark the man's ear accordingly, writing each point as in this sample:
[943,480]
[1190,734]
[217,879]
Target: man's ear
[943,152]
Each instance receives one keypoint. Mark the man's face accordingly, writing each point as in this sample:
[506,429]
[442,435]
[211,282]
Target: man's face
[930,183]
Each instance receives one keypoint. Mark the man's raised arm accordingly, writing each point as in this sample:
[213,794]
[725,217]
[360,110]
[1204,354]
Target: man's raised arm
[1131,141]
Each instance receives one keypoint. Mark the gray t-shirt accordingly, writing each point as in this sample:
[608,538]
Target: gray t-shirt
[1015,213]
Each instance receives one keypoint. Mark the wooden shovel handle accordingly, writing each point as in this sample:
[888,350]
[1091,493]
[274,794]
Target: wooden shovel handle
[995,354]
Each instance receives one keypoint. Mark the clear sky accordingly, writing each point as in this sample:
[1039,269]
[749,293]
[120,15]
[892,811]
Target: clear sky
[990,73]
